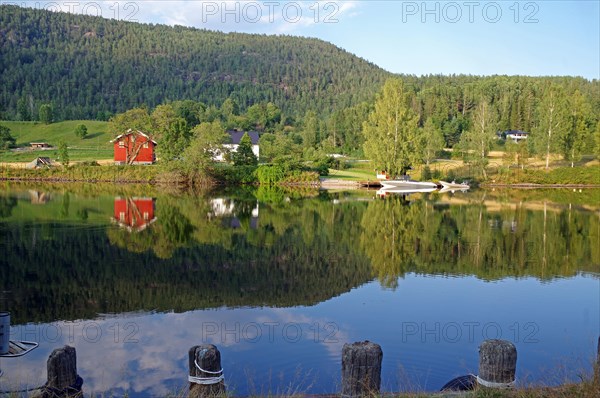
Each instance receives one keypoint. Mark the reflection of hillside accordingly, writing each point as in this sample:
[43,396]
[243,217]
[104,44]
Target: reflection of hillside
[303,251]
[178,264]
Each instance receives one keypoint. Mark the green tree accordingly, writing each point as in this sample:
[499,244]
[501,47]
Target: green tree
[23,109]
[477,141]
[46,113]
[63,153]
[229,108]
[433,140]
[81,131]
[171,132]
[278,145]
[575,135]
[205,146]
[244,156]
[136,119]
[6,139]
[552,118]
[391,131]
[310,130]
[597,140]
[190,110]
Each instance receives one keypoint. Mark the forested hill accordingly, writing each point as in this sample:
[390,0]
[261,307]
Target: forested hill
[90,67]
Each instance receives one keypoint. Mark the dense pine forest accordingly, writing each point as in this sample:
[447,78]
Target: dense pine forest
[305,96]
[90,67]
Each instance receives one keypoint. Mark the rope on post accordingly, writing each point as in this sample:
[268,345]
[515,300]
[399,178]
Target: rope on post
[491,384]
[206,381]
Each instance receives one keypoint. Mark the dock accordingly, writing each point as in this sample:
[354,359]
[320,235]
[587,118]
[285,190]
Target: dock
[370,184]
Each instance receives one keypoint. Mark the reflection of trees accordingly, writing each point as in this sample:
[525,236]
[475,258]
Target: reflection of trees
[390,237]
[7,203]
[171,231]
[186,260]
[301,252]
[470,239]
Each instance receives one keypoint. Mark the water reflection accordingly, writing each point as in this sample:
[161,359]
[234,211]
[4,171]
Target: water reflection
[308,258]
[134,214]
[234,213]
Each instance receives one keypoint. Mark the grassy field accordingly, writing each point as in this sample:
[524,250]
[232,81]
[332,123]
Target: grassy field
[585,172]
[95,146]
[364,170]
[358,171]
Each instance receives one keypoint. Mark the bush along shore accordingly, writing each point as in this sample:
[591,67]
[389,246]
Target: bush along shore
[169,175]
[276,174]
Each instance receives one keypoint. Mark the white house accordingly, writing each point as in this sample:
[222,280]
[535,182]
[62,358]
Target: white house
[236,137]
[516,135]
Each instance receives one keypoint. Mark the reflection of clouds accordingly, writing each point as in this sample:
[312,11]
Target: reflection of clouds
[147,354]
[153,361]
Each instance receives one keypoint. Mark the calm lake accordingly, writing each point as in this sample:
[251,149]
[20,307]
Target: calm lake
[280,279]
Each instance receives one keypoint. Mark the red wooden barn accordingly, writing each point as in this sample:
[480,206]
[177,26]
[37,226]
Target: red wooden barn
[134,147]
[135,214]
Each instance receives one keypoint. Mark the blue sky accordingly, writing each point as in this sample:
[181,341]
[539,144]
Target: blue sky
[415,37]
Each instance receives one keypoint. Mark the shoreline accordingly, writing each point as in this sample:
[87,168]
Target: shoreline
[325,183]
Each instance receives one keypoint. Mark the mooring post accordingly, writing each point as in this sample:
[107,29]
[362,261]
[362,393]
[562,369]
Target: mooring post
[4,332]
[598,354]
[63,380]
[497,364]
[206,375]
[597,364]
[361,369]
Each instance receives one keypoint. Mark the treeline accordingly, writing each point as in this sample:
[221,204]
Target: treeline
[560,117]
[92,68]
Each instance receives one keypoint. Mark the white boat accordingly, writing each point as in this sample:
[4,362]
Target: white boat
[407,184]
[454,186]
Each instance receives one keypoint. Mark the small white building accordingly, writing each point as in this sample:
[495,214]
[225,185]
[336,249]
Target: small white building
[236,137]
[516,135]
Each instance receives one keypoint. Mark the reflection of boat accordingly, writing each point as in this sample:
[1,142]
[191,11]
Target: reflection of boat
[403,191]
[454,185]
[452,190]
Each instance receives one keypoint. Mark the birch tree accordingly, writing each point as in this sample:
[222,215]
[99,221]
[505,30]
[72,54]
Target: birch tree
[433,140]
[391,131]
[477,141]
[575,134]
[551,120]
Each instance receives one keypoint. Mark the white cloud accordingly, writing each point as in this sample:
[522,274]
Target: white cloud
[252,16]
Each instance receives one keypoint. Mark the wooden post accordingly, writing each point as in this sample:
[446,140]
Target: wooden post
[63,380]
[4,332]
[206,375]
[597,364]
[361,369]
[497,364]
[598,354]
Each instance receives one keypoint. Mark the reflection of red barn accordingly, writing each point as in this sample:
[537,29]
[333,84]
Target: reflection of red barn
[134,147]
[135,214]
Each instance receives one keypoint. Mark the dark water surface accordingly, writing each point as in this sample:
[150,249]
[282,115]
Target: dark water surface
[280,280]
